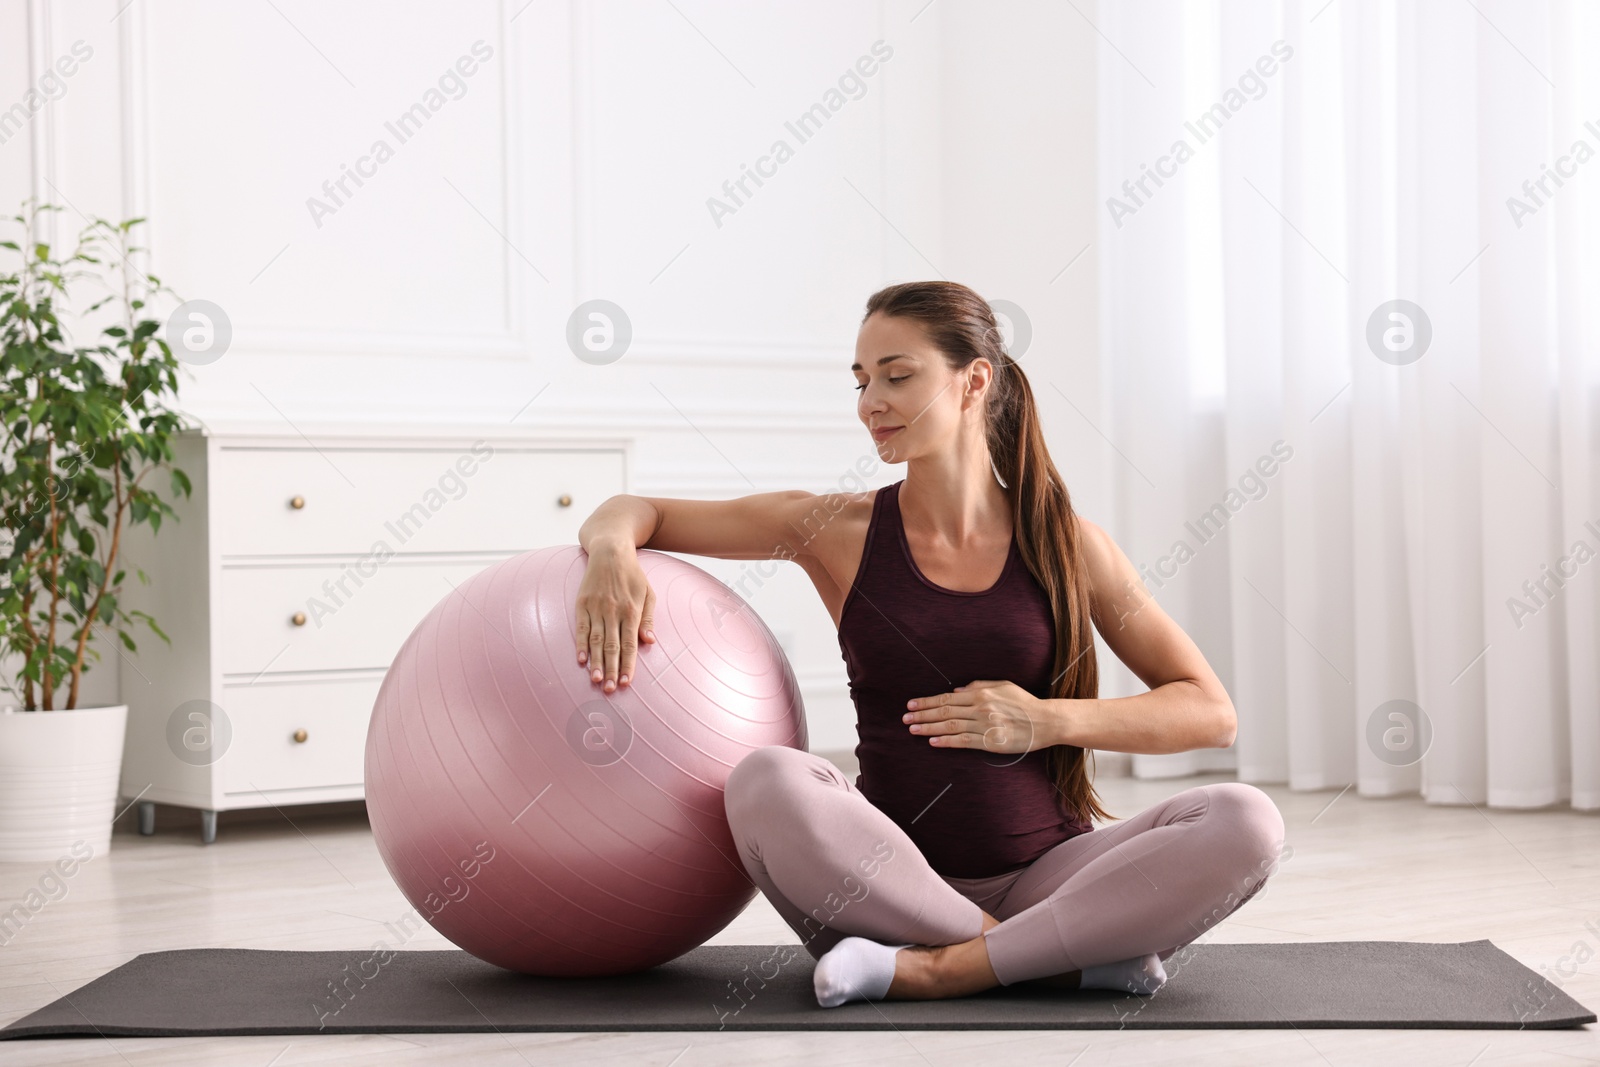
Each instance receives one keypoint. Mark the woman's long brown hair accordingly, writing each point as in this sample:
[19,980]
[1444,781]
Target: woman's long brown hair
[962,326]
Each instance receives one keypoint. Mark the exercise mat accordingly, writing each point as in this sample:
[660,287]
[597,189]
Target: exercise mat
[1345,984]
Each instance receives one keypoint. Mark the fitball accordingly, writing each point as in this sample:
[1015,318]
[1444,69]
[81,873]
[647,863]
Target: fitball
[544,825]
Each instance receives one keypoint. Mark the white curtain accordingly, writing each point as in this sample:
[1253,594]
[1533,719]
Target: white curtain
[1428,532]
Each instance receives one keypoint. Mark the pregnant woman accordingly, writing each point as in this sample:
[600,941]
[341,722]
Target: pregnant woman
[963,855]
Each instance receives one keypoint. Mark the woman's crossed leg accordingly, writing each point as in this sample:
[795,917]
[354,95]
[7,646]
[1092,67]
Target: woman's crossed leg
[836,867]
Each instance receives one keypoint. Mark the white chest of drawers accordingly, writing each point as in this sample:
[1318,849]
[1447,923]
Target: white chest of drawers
[300,564]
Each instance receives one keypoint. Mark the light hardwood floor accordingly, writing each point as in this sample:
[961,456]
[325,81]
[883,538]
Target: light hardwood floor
[1361,869]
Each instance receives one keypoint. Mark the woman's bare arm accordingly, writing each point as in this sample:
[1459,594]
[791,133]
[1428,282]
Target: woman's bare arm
[1187,706]
[614,603]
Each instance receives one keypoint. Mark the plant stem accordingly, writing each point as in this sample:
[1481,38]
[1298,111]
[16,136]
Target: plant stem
[107,569]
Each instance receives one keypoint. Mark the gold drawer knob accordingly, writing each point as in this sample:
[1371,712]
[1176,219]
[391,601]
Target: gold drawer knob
[300,736]
[565,500]
[297,502]
[298,618]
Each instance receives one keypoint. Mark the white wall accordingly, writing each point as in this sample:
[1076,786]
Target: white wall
[576,164]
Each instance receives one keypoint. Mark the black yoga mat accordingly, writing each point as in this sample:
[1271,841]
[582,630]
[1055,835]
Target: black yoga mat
[222,991]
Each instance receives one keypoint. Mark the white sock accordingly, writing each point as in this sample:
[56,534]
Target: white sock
[854,969]
[1143,975]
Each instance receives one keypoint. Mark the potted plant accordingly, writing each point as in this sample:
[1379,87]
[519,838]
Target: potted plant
[84,426]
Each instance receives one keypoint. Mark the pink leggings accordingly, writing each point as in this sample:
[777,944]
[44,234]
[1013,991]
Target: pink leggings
[1151,883]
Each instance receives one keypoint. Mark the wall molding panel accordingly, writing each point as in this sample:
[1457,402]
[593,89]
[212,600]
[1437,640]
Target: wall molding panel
[579,162]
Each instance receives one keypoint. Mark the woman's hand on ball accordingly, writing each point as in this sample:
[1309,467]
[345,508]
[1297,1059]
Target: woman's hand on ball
[996,716]
[614,612]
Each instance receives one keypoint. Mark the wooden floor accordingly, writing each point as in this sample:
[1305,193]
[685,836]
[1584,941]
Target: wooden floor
[1360,870]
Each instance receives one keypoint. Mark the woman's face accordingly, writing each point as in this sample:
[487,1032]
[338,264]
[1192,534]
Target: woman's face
[907,388]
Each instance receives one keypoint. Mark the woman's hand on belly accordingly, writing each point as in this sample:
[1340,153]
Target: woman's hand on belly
[996,716]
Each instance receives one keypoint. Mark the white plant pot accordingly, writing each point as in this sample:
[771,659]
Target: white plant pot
[59,772]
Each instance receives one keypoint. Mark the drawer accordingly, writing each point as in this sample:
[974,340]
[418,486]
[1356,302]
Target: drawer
[352,620]
[486,498]
[264,753]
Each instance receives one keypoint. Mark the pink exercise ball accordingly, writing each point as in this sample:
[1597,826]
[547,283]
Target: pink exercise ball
[544,825]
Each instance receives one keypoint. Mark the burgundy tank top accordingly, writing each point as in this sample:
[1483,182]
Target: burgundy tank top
[972,813]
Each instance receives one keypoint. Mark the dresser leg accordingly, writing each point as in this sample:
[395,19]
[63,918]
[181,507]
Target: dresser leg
[208,826]
[147,817]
